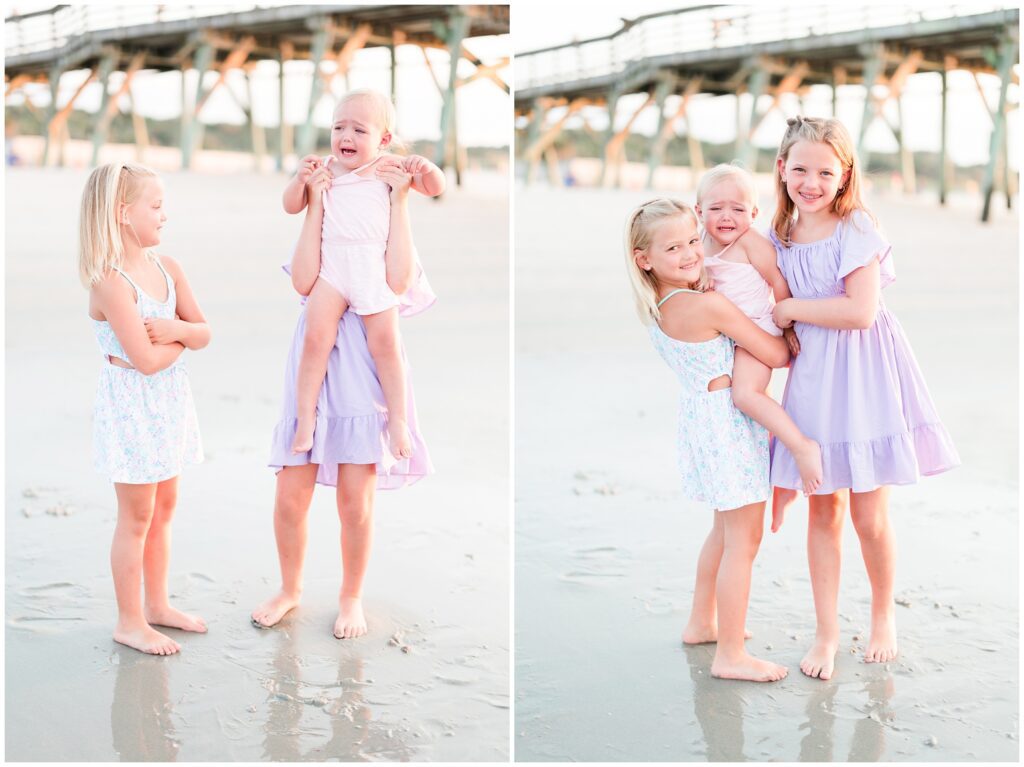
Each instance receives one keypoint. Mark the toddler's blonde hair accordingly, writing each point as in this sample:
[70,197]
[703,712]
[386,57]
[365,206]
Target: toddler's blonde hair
[383,110]
[723,171]
[109,187]
[820,130]
[639,233]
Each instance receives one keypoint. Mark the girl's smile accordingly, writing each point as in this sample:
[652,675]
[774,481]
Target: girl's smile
[675,254]
[813,176]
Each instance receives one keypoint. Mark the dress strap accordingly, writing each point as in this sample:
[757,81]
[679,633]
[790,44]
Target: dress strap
[131,282]
[331,157]
[723,250]
[677,290]
[167,278]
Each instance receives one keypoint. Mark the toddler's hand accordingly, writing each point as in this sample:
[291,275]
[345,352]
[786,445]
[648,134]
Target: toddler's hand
[307,165]
[396,177]
[414,164]
[791,341]
[319,181]
[160,331]
[780,314]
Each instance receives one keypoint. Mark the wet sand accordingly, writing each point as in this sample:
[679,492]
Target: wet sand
[430,681]
[606,545]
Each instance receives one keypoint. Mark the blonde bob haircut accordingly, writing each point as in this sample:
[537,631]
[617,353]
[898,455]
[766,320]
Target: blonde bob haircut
[722,171]
[109,187]
[383,110]
[639,233]
[819,130]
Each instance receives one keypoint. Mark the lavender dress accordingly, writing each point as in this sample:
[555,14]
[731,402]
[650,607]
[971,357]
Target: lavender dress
[351,417]
[859,393]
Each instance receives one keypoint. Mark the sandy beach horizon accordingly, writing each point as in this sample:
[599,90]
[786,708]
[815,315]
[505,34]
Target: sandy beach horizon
[431,680]
[606,544]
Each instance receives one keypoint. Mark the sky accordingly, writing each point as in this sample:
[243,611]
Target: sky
[539,25]
[483,111]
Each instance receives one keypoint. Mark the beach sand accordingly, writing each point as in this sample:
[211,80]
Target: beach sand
[606,544]
[430,681]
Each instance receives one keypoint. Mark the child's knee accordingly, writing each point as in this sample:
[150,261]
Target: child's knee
[356,515]
[870,526]
[136,520]
[383,342]
[743,397]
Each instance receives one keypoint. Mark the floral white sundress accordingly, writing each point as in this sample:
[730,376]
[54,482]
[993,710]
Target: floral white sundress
[723,453]
[144,427]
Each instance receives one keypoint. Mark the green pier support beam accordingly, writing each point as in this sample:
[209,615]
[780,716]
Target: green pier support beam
[944,164]
[613,103]
[747,151]
[279,158]
[307,139]
[656,154]
[1007,55]
[453,33]
[51,112]
[100,122]
[874,63]
[190,134]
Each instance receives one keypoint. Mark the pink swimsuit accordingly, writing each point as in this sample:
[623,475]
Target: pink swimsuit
[742,284]
[357,219]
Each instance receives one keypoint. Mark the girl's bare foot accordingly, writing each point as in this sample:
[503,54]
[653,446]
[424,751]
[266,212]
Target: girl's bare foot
[145,639]
[882,646]
[399,439]
[303,441]
[702,633]
[782,497]
[270,613]
[808,463]
[820,660]
[165,615]
[351,623]
[747,667]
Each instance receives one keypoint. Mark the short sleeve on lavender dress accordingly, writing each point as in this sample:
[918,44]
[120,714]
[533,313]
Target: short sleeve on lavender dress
[859,393]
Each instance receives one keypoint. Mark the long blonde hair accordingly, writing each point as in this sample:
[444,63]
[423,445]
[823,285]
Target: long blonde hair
[639,232]
[820,130]
[100,247]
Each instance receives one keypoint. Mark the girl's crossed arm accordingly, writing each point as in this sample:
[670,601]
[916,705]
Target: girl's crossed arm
[730,321]
[114,298]
[190,328]
[856,310]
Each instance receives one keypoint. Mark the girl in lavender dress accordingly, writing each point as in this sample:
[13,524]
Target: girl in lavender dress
[350,451]
[723,454]
[855,387]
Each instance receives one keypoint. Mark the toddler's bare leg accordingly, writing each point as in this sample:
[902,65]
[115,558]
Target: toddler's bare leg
[824,557]
[750,379]
[356,486]
[870,514]
[324,308]
[742,530]
[134,513]
[383,340]
[156,561]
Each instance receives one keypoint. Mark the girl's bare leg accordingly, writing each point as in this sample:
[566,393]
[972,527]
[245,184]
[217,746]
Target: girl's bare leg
[824,557]
[870,514]
[134,512]
[742,530]
[750,379]
[291,504]
[356,486]
[703,623]
[385,348]
[156,562]
[324,308]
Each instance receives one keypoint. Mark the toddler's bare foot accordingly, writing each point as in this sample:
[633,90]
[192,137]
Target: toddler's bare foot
[782,497]
[882,646]
[145,639]
[747,667]
[165,615]
[399,439]
[703,633]
[808,463]
[350,623]
[820,660]
[303,441]
[270,613]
